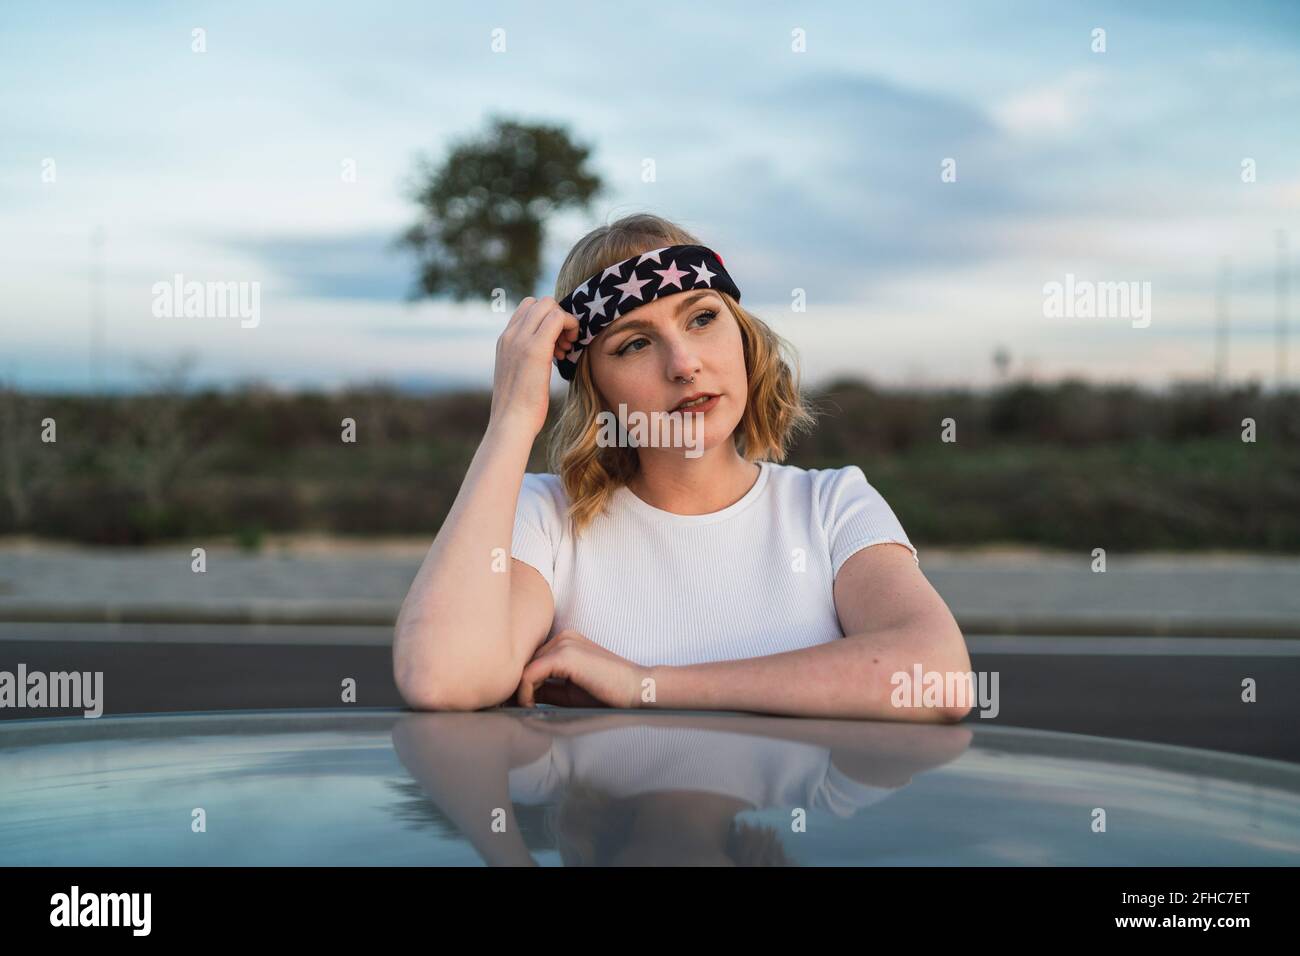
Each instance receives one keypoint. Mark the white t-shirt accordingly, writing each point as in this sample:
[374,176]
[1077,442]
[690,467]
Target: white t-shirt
[750,580]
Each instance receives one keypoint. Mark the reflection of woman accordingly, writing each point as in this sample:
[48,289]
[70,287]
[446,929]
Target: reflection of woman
[657,787]
[671,794]
[698,573]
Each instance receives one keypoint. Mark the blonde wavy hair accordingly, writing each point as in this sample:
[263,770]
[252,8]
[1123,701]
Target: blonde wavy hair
[775,408]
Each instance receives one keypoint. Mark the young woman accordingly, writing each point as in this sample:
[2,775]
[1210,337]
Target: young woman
[693,573]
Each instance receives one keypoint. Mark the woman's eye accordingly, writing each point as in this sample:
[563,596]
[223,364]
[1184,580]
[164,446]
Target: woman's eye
[628,346]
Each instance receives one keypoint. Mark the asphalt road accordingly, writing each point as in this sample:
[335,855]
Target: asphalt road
[1185,692]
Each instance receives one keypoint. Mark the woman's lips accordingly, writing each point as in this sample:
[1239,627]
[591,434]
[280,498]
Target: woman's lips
[702,407]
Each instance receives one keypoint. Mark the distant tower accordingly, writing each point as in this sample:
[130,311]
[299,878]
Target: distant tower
[1001,362]
[96,307]
[1222,316]
[1282,290]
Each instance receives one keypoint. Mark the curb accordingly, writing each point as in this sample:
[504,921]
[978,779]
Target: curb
[384,614]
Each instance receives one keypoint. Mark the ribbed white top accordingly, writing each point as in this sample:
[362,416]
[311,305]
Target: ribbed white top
[750,580]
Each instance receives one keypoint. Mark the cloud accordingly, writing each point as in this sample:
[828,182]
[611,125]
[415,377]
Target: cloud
[840,185]
[818,171]
[361,265]
[1055,108]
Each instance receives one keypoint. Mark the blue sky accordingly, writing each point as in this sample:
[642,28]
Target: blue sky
[816,170]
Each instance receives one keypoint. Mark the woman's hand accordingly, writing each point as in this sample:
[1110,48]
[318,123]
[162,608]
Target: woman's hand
[539,332]
[593,676]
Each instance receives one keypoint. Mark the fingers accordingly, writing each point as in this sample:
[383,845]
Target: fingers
[530,313]
[557,658]
[524,695]
[542,319]
[548,319]
[560,330]
[540,311]
[565,343]
[521,312]
[535,674]
[545,317]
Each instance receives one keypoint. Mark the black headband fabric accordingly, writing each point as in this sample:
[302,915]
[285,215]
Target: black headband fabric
[634,282]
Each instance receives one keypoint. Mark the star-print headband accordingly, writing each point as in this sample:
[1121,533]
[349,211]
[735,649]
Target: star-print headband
[634,282]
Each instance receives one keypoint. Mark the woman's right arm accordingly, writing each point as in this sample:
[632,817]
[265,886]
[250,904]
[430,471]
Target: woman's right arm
[458,643]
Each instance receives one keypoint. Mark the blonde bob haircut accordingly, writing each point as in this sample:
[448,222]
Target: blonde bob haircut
[775,409]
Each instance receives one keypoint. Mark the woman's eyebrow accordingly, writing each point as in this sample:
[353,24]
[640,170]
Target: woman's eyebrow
[695,297]
[633,324]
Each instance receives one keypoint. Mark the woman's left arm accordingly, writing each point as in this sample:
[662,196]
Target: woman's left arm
[893,621]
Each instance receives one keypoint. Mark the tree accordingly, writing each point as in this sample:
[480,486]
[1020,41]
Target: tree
[19,463]
[483,210]
[154,447]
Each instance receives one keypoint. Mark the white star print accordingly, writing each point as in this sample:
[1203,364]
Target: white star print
[652,254]
[670,276]
[704,275]
[615,270]
[597,305]
[632,287]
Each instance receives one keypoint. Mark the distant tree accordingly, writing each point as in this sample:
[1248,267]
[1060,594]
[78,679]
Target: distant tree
[19,459]
[154,446]
[482,210]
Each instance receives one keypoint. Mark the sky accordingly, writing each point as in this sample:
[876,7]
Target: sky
[806,144]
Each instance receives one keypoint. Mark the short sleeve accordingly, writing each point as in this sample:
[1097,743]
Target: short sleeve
[856,516]
[843,795]
[536,782]
[538,522]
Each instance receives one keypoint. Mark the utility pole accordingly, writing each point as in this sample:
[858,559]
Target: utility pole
[1221,319]
[1282,290]
[96,307]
